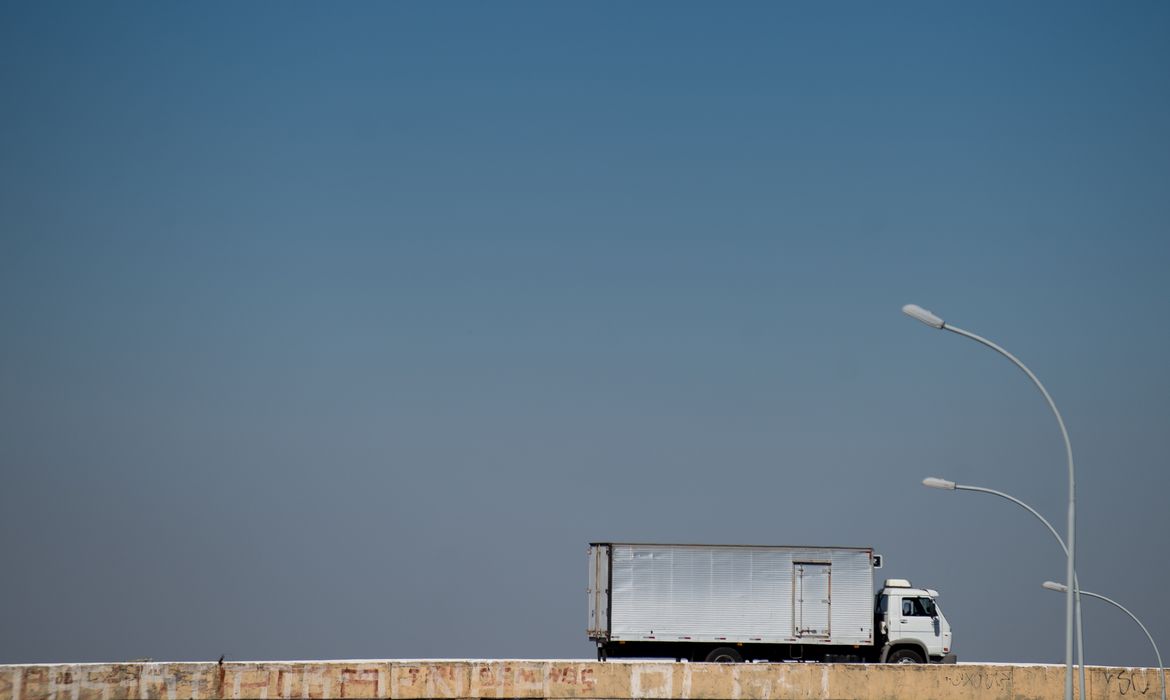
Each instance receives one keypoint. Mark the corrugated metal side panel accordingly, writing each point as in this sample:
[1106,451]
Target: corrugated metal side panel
[672,592]
[852,621]
[598,592]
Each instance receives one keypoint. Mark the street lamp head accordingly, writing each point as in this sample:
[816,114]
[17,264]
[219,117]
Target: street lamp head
[936,483]
[917,312]
[1054,586]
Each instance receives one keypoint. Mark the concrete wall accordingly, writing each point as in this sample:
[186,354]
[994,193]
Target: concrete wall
[420,680]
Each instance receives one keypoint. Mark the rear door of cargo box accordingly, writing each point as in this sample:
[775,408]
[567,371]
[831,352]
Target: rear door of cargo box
[598,591]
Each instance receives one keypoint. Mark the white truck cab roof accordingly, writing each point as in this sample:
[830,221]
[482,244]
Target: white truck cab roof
[901,586]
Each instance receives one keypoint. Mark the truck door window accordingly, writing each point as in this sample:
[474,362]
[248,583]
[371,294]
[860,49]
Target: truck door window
[916,607]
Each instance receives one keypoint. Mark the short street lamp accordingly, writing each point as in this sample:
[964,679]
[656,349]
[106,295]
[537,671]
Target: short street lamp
[945,484]
[921,314]
[1061,588]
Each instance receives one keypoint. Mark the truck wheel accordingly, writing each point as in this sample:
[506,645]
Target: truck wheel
[723,655]
[905,656]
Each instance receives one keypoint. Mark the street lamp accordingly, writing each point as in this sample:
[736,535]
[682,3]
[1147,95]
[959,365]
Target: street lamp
[936,483]
[921,314]
[1061,588]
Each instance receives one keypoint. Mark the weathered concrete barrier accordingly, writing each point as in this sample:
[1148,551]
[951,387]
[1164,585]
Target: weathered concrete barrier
[555,680]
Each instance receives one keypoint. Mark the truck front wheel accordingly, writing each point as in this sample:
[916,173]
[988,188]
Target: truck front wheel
[905,656]
[724,655]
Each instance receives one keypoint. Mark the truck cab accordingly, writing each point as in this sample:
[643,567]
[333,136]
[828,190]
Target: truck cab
[911,626]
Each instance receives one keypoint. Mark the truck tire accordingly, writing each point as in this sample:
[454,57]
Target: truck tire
[905,656]
[724,655]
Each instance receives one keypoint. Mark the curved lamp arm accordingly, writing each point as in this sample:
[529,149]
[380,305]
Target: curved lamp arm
[946,484]
[1060,587]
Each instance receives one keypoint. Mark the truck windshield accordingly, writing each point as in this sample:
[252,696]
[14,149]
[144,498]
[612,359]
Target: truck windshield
[882,602]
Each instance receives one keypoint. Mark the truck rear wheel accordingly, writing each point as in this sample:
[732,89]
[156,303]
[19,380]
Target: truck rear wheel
[905,656]
[723,655]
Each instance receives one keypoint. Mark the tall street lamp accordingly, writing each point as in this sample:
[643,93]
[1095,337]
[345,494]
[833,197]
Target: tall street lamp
[947,485]
[1061,588]
[921,314]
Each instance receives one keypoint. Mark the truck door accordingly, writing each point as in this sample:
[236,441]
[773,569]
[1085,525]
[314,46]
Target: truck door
[811,602]
[916,621]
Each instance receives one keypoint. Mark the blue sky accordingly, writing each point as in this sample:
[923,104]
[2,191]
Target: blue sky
[337,331]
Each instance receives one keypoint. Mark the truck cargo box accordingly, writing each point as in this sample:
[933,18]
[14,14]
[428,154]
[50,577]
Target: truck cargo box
[731,593]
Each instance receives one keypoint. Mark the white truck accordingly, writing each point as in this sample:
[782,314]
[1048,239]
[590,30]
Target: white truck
[730,603]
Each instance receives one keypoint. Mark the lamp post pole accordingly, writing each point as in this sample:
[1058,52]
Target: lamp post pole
[1061,588]
[921,314]
[947,485]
